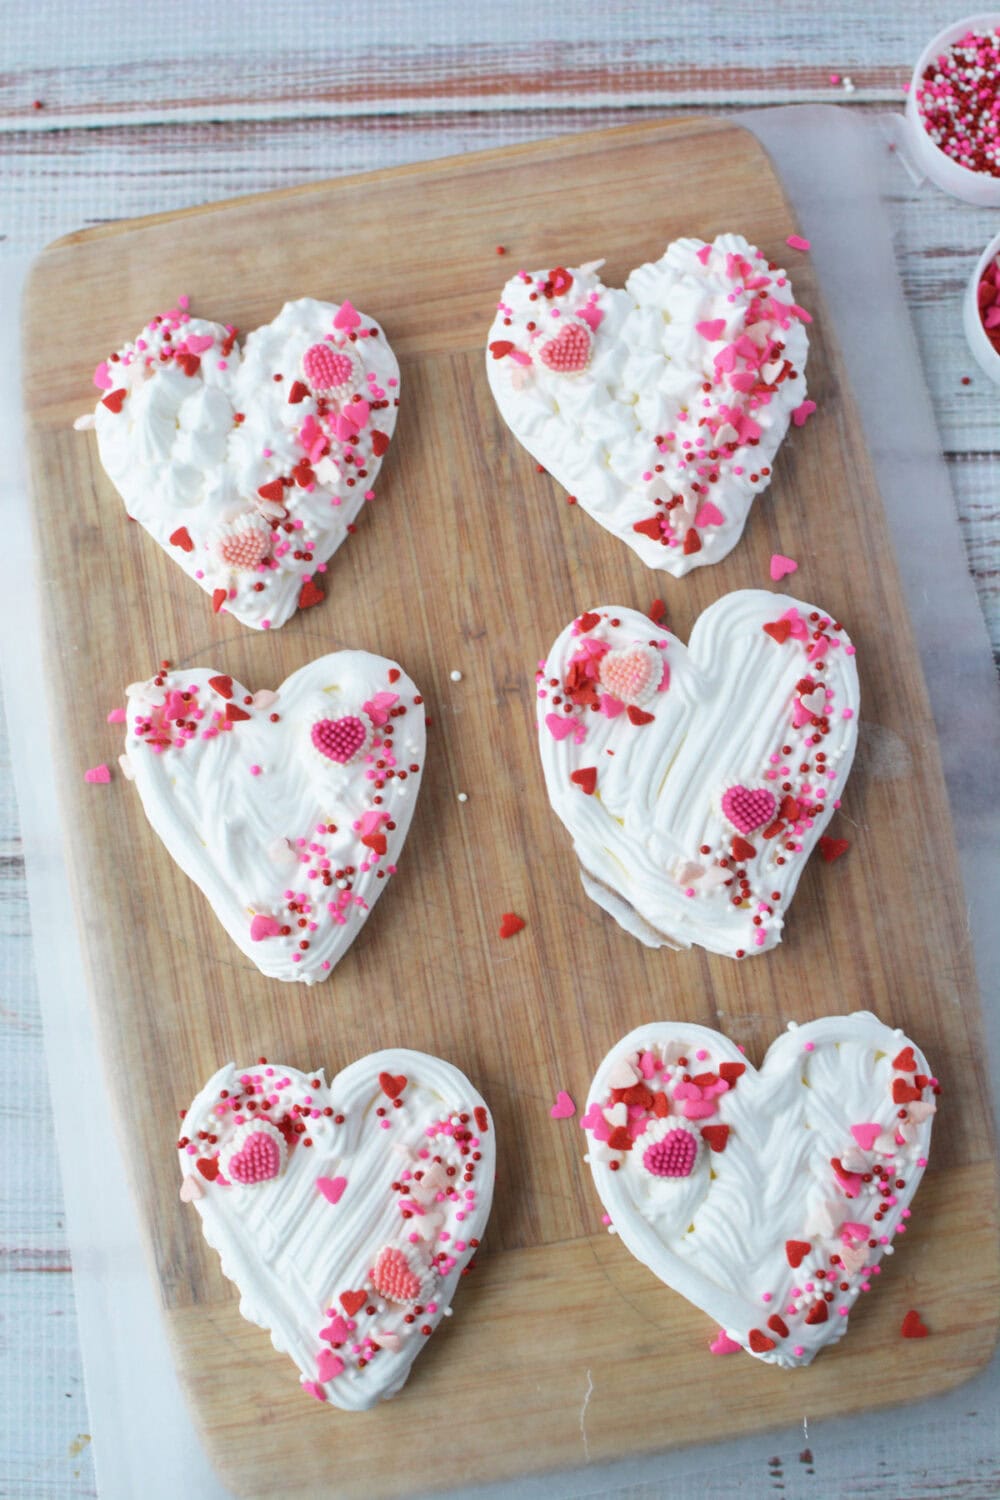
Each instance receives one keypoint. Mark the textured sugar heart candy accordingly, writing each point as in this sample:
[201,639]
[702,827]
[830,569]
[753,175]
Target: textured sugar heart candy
[600,384]
[370,1209]
[652,795]
[765,1236]
[266,800]
[260,465]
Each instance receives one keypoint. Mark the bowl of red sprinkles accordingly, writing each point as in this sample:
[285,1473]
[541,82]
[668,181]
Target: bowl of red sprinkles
[953,110]
[981,311]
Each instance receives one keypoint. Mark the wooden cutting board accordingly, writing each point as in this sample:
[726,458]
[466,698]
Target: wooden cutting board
[564,1350]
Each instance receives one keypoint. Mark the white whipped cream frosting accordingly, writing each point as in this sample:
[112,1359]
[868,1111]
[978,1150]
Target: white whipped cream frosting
[652,834]
[691,374]
[293,1249]
[268,826]
[724,1235]
[203,429]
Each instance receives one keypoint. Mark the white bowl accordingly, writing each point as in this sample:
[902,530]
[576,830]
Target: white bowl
[972,187]
[985,355]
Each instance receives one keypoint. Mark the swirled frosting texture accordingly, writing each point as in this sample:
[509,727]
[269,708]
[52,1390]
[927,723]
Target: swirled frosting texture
[249,464]
[288,808]
[659,406]
[696,780]
[347,1247]
[804,1178]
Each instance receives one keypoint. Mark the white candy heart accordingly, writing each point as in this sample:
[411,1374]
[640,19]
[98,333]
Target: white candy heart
[290,815]
[660,407]
[247,475]
[643,790]
[335,1231]
[746,1229]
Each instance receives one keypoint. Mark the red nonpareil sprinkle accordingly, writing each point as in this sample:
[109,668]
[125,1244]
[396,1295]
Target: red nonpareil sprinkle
[913,1326]
[958,102]
[501,249]
[510,923]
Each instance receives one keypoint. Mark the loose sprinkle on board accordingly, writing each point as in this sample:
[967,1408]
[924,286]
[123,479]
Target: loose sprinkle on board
[510,923]
[97,775]
[564,1108]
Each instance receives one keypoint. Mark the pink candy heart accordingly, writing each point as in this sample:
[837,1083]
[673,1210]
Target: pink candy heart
[258,1159]
[748,809]
[339,739]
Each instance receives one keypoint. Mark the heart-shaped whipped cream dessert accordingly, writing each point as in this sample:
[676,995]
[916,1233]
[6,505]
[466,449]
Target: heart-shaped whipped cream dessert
[249,464]
[697,780]
[766,1198]
[288,808]
[345,1214]
[660,407]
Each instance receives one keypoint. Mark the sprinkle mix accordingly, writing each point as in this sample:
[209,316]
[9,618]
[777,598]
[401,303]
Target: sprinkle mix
[958,101]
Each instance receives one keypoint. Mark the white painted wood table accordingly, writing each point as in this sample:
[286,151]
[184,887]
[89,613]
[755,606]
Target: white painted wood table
[108,110]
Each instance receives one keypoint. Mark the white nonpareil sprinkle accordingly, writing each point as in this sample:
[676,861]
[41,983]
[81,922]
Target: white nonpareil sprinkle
[463,796]
[456,676]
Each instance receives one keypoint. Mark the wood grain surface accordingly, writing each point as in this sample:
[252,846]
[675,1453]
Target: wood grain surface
[469,558]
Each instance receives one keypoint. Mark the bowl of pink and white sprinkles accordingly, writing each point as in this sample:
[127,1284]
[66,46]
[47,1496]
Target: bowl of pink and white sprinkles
[981,311]
[953,110]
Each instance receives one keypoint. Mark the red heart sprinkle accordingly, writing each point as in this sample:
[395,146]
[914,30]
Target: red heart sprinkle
[393,674]
[742,850]
[619,1139]
[234,713]
[796,1252]
[310,594]
[274,490]
[657,610]
[182,538]
[510,923]
[817,1313]
[374,841]
[905,1061]
[392,1085]
[586,778]
[903,1092]
[114,400]
[500,347]
[716,1137]
[639,716]
[913,1325]
[778,1325]
[759,1342]
[223,685]
[650,527]
[352,1302]
[297,393]
[779,630]
[588,621]
[380,442]
[692,543]
[730,1071]
[832,849]
[208,1166]
[219,598]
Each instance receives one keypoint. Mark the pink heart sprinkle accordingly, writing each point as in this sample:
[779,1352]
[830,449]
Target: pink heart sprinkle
[97,775]
[559,726]
[801,413]
[339,739]
[332,1188]
[723,1344]
[568,352]
[709,514]
[781,566]
[346,317]
[327,370]
[257,1160]
[865,1135]
[262,927]
[336,1331]
[746,809]
[328,1365]
[564,1108]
